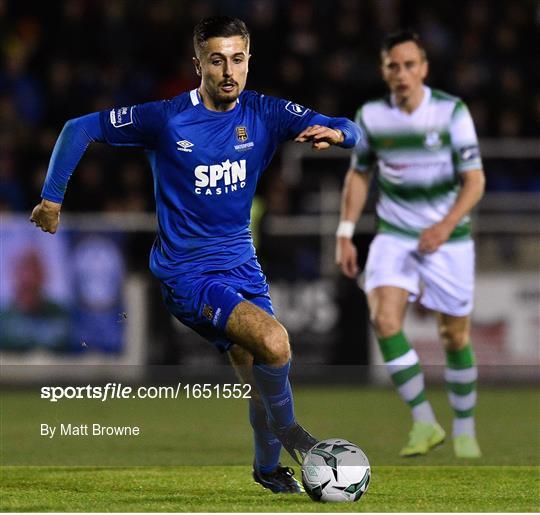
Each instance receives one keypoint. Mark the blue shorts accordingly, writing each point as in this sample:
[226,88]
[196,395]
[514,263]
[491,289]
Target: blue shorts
[204,301]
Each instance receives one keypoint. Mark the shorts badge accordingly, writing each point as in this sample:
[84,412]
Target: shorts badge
[208,312]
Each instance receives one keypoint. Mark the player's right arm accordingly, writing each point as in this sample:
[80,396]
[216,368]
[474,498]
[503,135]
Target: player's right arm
[353,200]
[70,146]
[125,126]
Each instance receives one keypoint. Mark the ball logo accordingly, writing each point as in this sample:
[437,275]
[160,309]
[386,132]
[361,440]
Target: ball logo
[219,179]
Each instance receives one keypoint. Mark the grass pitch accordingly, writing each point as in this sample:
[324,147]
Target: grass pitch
[195,455]
[225,489]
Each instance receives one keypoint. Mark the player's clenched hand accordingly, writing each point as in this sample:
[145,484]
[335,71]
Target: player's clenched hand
[46,215]
[321,137]
[433,237]
[346,257]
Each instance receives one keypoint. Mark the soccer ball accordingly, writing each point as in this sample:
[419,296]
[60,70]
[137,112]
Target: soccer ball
[335,470]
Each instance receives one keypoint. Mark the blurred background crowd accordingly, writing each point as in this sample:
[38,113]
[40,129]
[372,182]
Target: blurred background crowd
[63,59]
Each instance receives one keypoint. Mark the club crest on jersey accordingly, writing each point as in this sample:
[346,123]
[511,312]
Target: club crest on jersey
[241,134]
[220,179]
[432,141]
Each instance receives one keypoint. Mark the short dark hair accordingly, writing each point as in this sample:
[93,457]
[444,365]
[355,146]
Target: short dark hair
[218,27]
[402,36]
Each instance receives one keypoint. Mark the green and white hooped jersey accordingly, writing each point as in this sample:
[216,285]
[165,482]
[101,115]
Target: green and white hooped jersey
[419,157]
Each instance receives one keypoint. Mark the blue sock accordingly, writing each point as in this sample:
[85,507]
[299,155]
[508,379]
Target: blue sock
[276,395]
[267,446]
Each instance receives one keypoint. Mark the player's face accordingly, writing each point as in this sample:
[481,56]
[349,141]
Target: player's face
[223,67]
[404,69]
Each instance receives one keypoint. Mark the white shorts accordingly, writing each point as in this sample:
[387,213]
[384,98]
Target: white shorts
[443,280]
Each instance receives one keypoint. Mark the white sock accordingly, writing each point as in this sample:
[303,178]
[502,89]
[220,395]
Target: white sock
[423,412]
[463,426]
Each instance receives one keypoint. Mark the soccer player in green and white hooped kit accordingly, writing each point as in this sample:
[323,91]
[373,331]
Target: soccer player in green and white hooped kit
[423,144]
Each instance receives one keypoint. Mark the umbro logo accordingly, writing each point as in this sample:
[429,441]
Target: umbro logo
[184,145]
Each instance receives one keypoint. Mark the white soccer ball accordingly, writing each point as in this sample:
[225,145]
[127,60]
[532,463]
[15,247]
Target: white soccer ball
[335,470]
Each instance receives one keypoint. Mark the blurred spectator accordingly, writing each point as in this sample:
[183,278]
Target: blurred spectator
[533,116]
[509,124]
[480,113]
[435,35]
[292,75]
[478,16]
[16,80]
[89,194]
[11,192]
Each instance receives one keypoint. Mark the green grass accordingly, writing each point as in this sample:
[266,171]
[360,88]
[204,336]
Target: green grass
[211,489]
[194,455]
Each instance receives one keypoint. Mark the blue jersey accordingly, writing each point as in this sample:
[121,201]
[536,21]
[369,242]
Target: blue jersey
[206,166]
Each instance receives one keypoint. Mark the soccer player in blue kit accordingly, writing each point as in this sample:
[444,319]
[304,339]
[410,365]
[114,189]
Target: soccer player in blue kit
[207,149]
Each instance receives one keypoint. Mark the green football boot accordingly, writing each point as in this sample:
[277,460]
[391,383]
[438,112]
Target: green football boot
[422,438]
[466,446]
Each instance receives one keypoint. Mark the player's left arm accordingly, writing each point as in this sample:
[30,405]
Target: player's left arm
[466,156]
[294,121]
[324,131]
[471,192]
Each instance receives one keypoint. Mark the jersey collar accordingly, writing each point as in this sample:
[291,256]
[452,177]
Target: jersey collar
[194,95]
[196,99]
[420,108]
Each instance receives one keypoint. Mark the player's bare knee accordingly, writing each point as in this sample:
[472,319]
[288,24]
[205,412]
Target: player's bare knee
[276,345]
[454,338]
[385,324]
